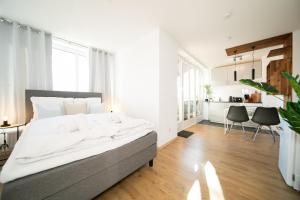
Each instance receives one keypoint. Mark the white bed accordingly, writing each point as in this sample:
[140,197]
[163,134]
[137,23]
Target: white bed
[52,142]
[54,146]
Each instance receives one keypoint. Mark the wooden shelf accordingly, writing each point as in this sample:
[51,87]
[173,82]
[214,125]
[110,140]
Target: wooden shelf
[275,67]
[285,51]
[261,44]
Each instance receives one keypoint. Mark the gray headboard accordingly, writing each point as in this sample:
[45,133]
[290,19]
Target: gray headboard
[48,93]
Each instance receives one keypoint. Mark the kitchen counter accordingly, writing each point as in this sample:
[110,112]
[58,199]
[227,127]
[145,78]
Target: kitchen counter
[233,102]
[214,110]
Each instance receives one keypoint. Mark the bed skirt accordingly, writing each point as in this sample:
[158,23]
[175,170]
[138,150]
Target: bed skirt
[87,178]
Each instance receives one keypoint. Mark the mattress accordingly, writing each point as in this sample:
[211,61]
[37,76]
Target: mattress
[108,167]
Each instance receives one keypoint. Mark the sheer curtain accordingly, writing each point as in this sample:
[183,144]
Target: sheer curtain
[25,55]
[101,75]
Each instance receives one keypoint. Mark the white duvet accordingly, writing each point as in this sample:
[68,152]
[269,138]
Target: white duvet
[51,142]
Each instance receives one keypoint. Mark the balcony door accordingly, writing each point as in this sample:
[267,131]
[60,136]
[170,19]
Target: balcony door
[189,91]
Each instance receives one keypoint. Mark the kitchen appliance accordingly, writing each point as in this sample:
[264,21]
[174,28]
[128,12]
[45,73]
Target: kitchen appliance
[246,97]
[256,97]
[235,99]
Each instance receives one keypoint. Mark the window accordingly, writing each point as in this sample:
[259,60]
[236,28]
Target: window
[70,66]
[189,90]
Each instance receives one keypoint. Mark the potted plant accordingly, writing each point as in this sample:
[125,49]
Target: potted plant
[291,112]
[289,156]
[208,91]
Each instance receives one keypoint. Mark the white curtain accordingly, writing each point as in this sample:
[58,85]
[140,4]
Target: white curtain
[101,75]
[25,63]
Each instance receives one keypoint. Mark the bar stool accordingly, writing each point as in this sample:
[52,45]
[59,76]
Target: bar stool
[237,114]
[264,116]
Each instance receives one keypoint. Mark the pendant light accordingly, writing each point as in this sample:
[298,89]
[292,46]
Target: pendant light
[235,72]
[253,69]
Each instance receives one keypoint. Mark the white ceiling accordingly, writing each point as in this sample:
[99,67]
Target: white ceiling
[201,27]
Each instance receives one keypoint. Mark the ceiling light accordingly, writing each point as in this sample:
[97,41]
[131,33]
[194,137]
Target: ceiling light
[253,68]
[235,72]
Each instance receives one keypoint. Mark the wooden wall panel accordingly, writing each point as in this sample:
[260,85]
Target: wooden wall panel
[274,77]
[261,44]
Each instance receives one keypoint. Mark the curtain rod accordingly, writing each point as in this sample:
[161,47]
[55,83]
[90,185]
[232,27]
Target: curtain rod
[70,42]
[10,21]
[81,45]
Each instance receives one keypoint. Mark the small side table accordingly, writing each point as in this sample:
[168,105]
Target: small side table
[3,128]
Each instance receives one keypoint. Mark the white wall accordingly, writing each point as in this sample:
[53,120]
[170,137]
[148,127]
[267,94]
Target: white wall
[137,78]
[168,68]
[146,74]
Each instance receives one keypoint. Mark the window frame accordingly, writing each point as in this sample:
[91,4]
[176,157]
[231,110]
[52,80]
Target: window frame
[76,50]
[197,80]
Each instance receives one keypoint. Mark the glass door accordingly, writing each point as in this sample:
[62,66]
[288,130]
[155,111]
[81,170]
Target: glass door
[189,91]
[186,91]
[179,92]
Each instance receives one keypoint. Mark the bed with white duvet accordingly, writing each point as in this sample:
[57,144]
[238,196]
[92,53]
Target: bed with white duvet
[74,156]
[55,141]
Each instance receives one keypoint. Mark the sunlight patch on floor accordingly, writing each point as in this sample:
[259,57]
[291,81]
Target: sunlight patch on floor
[196,167]
[213,182]
[195,191]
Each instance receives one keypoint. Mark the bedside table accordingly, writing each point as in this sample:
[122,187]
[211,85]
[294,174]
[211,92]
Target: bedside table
[3,128]
[4,155]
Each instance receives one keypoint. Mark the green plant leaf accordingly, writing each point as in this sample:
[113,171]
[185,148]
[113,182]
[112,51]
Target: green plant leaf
[292,112]
[269,88]
[265,87]
[295,83]
[291,115]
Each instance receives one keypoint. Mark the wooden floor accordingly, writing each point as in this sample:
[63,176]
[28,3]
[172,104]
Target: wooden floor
[209,165]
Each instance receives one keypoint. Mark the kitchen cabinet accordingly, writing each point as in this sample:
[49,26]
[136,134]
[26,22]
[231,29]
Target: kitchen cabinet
[205,110]
[216,112]
[225,75]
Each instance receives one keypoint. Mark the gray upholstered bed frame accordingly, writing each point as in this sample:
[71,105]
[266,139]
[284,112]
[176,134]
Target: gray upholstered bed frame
[47,93]
[86,178]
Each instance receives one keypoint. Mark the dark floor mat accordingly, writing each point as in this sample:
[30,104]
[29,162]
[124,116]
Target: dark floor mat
[185,134]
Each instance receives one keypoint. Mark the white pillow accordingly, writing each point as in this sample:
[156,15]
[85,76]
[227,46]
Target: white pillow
[96,108]
[75,108]
[92,103]
[88,100]
[46,110]
[42,105]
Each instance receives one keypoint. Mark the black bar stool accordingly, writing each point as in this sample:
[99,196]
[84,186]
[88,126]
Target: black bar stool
[264,116]
[237,114]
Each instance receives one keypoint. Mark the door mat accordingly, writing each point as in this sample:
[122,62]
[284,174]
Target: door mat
[185,134]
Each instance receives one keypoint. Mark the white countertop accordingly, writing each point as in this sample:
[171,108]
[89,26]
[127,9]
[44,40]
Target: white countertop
[244,103]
